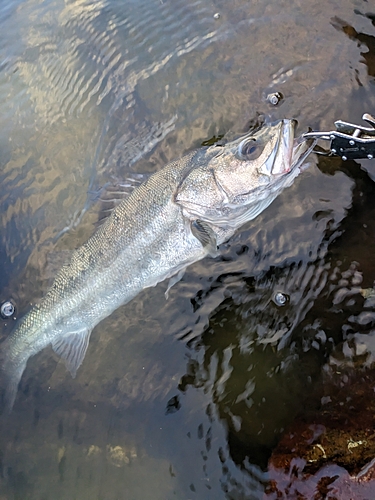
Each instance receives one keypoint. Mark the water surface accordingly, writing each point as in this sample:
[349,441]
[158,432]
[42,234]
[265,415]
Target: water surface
[183,398]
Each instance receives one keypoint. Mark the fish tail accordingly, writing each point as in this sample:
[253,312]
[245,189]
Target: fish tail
[11,371]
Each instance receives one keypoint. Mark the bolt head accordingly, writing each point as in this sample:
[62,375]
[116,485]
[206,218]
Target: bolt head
[280,299]
[274,98]
[6,309]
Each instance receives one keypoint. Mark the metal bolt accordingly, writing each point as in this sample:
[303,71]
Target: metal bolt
[217,15]
[274,98]
[333,151]
[370,157]
[280,299]
[332,137]
[344,158]
[6,309]
[351,142]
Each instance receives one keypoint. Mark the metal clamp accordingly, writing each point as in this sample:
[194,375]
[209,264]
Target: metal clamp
[351,142]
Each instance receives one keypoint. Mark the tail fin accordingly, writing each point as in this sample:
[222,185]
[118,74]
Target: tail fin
[10,376]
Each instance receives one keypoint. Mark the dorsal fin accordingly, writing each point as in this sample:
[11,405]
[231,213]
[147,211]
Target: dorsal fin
[112,194]
[72,348]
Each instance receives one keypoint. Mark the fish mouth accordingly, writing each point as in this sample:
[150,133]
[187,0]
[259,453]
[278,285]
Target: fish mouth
[301,150]
[290,152]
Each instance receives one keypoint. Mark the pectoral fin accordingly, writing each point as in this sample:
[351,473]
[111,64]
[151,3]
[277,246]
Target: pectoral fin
[173,280]
[72,348]
[204,233]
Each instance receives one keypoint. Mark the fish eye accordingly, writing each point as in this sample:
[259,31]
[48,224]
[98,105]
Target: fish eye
[249,150]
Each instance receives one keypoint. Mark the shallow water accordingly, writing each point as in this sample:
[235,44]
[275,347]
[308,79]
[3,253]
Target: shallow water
[183,398]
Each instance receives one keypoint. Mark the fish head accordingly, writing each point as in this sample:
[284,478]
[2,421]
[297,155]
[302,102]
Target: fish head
[240,179]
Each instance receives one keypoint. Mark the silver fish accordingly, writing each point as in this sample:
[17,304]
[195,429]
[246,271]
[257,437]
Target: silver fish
[178,216]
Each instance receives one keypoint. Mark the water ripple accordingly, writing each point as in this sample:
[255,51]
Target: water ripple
[96,48]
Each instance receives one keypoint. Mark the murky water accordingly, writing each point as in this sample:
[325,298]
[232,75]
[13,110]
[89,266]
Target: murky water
[183,398]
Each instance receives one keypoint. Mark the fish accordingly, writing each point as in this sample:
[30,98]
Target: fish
[178,216]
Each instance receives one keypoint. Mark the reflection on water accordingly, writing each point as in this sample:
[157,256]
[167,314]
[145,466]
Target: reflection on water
[184,398]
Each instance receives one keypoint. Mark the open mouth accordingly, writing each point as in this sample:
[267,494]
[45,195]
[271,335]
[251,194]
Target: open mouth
[289,152]
[301,150]
[292,152]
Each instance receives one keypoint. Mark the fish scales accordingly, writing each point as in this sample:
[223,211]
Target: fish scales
[113,262]
[177,217]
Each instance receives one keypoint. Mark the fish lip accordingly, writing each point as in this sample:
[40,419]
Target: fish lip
[302,148]
[283,152]
[290,152]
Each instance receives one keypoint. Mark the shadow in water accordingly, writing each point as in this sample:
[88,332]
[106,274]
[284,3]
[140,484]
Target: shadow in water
[260,362]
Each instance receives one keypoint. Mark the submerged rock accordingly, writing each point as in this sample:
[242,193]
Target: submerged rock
[330,451]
